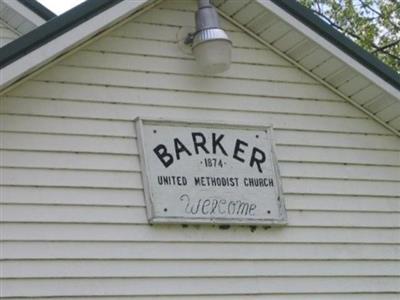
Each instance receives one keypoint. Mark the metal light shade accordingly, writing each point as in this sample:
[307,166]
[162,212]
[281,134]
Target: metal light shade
[211,46]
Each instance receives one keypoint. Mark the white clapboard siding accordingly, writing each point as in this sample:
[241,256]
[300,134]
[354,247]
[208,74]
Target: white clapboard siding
[196,250]
[127,96]
[125,129]
[67,108]
[162,268]
[178,18]
[40,177]
[128,146]
[72,195]
[196,286]
[120,78]
[126,180]
[129,197]
[166,48]
[137,215]
[130,163]
[260,296]
[187,67]
[70,161]
[73,220]
[169,35]
[210,233]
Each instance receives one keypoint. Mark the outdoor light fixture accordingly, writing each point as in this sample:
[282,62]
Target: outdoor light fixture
[210,44]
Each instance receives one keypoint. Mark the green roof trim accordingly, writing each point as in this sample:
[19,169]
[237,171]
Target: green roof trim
[307,17]
[52,29]
[38,9]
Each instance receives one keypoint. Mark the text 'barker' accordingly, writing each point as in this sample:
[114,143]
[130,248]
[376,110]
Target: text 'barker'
[210,144]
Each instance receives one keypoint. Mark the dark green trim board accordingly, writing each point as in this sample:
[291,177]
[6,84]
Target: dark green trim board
[307,17]
[38,9]
[52,29]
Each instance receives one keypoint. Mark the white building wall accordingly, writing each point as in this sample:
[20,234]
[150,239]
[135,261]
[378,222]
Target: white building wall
[73,213]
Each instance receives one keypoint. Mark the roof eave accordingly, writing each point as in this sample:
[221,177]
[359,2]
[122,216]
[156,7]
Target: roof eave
[38,9]
[52,29]
[23,56]
[307,17]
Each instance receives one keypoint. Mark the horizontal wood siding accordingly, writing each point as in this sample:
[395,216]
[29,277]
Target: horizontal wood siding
[72,202]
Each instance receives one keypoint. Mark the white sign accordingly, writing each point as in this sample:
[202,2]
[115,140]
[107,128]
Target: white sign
[209,173]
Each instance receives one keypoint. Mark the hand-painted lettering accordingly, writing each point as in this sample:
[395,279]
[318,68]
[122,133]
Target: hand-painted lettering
[239,149]
[165,157]
[217,207]
[257,157]
[179,148]
[216,142]
[213,144]
[199,141]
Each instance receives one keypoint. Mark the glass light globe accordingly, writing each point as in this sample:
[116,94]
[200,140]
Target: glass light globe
[212,50]
[213,56]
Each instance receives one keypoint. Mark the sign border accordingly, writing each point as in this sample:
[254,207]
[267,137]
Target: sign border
[139,123]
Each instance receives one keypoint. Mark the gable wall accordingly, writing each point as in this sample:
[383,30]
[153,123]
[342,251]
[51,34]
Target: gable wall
[73,211]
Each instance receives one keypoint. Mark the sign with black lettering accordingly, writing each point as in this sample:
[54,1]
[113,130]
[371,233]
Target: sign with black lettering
[196,172]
